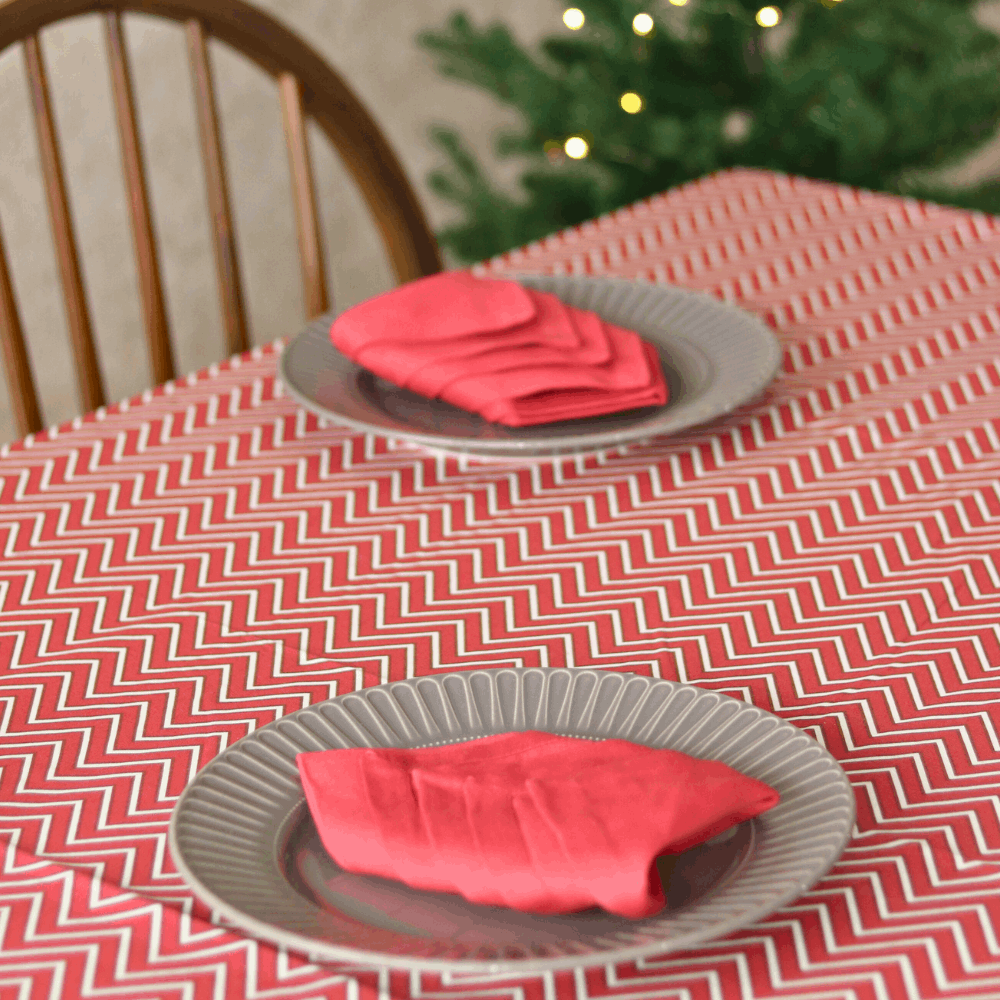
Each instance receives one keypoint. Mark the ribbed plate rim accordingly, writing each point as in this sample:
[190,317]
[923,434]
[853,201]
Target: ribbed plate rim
[733,385]
[318,950]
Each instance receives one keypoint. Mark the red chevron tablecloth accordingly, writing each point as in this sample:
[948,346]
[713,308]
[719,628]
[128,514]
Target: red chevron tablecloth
[193,564]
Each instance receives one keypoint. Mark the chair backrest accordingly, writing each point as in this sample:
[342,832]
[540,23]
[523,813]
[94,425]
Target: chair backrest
[307,87]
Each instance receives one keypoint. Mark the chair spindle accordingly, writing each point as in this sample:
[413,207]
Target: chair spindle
[150,285]
[77,314]
[17,366]
[223,233]
[304,196]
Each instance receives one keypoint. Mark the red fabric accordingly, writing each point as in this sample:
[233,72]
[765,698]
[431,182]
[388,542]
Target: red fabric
[183,569]
[533,821]
[509,353]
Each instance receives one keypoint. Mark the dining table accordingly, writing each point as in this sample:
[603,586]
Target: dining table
[187,566]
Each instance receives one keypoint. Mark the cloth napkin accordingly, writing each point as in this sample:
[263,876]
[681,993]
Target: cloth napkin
[529,820]
[512,354]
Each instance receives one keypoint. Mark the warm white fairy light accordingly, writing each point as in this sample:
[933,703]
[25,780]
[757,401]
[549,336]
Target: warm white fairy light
[576,147]
[574,18]
[679,3]
[631,102]
[768,17]
[642,24]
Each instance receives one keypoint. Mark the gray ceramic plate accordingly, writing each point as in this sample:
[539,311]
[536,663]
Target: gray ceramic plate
[715,358]
[242,836]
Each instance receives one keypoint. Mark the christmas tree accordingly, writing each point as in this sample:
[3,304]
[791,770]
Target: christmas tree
[628,100]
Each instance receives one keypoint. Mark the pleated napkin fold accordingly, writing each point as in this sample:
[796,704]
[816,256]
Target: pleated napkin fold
[512,354]
[528,820]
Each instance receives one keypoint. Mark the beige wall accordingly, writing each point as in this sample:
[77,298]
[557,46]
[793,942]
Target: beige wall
[370,42]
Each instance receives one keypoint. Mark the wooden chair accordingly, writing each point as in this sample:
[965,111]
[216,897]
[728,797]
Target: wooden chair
[307,86]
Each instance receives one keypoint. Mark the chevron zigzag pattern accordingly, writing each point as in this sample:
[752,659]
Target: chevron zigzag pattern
[194,563]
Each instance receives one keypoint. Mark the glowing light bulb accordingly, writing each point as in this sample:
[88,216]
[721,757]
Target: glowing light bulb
[678,3]
[573,18]
[642,24]
[768,17]
[576,147]
[631,102]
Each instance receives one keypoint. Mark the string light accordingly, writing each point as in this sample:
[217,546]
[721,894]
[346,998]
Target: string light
[736,125]
[631,102]
[642,24]
[768,17]
[576,147]
[573,18]
[678,3]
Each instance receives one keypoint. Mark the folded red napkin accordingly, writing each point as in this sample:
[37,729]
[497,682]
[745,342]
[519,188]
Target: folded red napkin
[533,821]
[509,353]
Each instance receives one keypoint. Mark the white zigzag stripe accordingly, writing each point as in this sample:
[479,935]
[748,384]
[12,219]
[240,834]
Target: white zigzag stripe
[185,567]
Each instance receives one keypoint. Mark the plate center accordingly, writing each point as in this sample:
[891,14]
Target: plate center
[393,906]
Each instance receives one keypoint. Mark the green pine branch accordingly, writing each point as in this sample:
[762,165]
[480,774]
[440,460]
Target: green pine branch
[865,92]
